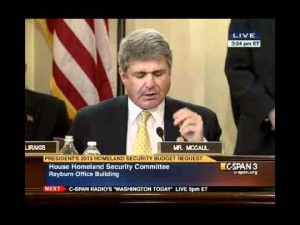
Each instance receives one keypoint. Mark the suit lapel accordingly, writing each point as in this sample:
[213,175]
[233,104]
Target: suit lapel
[171,132]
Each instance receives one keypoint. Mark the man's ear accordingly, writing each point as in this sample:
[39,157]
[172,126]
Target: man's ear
[122,75]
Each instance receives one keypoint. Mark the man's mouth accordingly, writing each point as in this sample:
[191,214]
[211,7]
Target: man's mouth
[150,95]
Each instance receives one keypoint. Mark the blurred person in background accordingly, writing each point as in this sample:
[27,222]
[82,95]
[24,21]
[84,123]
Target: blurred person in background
[251,77]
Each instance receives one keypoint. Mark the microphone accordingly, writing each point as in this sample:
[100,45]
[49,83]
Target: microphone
[160,133]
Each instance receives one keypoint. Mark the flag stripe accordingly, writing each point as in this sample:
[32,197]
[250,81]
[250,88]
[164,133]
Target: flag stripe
[79,53]
[51,23]
[102,45]
[90,22]
[100,79]
[55,91]
[67,88]
[72,70]
[106,25]
[84,33]
[105,91]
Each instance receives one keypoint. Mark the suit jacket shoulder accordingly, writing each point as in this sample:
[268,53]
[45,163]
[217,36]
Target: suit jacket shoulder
[35,98]
[105,123]
[104,111]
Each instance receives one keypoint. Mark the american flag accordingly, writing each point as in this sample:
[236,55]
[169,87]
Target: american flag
[82,67]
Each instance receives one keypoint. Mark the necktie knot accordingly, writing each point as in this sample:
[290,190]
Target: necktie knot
[145,116]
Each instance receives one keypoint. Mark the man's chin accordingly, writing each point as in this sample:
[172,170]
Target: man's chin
[149,104]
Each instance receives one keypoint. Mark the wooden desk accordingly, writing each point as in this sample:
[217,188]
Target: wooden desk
[34,180]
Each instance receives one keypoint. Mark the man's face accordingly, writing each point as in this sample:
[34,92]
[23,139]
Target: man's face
[147,82]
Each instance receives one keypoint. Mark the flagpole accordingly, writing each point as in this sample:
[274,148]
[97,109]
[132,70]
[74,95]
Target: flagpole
[120,35]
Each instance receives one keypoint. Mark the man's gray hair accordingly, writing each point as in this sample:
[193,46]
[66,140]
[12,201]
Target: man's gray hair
[143,44]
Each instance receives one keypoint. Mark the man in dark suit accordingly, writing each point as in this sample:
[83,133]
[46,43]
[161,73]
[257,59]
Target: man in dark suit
[145,61]
[45,117]
[251,77]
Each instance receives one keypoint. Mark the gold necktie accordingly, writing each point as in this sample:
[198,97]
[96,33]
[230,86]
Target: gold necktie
[142,145]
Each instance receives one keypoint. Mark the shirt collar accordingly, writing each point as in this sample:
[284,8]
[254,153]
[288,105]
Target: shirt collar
[134,111]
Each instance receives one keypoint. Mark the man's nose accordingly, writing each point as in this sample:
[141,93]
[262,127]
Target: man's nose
[149,83]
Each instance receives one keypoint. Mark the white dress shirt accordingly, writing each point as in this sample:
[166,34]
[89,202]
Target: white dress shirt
[134,118]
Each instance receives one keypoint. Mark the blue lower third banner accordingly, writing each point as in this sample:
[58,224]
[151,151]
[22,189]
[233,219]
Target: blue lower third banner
[143,174]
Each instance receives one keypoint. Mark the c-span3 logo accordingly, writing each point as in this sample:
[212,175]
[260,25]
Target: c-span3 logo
[240,168]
